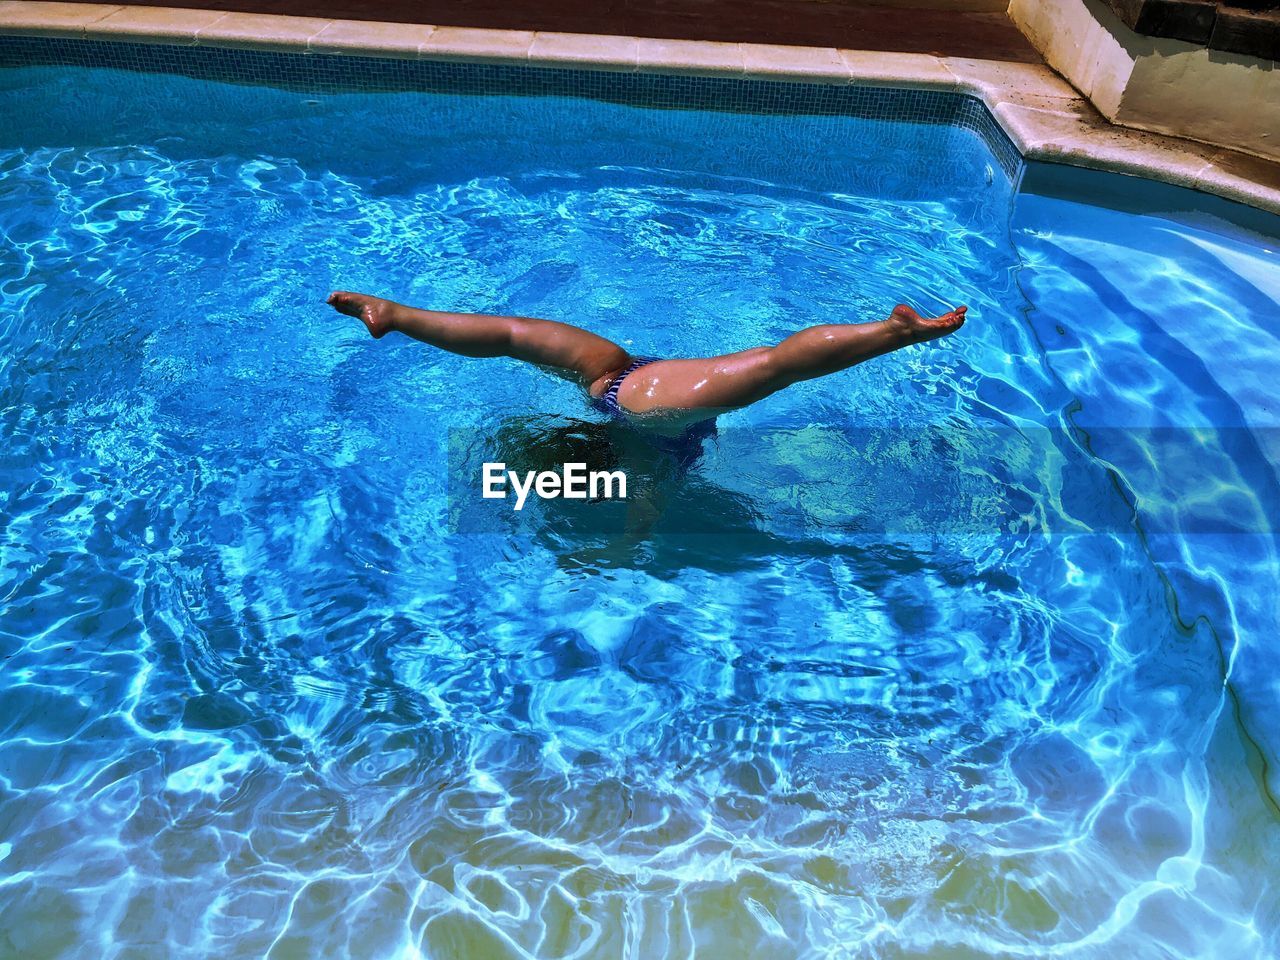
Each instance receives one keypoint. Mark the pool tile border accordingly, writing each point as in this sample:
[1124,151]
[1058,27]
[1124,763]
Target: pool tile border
[1043,116]
[630,85]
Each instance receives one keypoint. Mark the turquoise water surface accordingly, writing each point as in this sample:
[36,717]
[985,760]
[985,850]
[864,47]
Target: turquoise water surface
[962,653]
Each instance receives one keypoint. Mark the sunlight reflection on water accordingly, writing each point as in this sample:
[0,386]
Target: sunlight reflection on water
[262,697]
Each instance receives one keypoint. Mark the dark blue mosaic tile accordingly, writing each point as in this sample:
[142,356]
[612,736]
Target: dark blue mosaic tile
[322,73]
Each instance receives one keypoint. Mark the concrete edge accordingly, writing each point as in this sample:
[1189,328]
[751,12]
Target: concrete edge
[1044,116]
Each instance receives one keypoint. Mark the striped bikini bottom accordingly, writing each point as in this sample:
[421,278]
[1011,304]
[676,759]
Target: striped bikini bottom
[687,446]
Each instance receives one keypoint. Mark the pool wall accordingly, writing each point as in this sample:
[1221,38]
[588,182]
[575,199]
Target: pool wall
[1043,116]
[375,74]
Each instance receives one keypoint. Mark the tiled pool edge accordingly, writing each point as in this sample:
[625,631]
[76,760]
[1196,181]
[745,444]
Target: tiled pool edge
[343,73]
[1044,117]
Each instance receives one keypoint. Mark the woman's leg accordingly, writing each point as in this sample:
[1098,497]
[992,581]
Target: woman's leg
[717,384]
[565,349]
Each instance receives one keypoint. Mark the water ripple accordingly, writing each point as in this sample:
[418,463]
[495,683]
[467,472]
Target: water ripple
[261,697]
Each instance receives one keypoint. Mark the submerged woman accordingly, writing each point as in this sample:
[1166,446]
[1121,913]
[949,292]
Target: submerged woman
[672,397]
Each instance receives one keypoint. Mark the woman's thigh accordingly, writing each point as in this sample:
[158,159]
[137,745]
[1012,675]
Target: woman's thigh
[710,383]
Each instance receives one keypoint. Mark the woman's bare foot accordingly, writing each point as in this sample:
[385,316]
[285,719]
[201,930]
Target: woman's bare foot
[918,329]
[375,313]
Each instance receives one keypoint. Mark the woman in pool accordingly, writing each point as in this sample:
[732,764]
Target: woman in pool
[671,396]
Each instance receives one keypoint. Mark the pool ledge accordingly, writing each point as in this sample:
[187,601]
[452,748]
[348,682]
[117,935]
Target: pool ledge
[1046,118]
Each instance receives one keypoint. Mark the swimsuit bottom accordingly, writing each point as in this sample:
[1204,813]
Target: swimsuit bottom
[686,447]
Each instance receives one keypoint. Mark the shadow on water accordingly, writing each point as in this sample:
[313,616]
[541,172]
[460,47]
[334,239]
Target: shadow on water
[676,516]
[673,514]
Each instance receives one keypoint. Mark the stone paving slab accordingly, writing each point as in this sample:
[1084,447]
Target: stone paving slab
[962,28]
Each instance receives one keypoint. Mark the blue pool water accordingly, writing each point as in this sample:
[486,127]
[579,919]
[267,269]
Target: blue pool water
[962,653]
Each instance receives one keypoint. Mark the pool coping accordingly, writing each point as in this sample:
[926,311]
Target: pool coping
[1046,118]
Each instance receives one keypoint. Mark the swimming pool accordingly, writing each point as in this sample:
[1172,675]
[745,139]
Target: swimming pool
[961,653]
